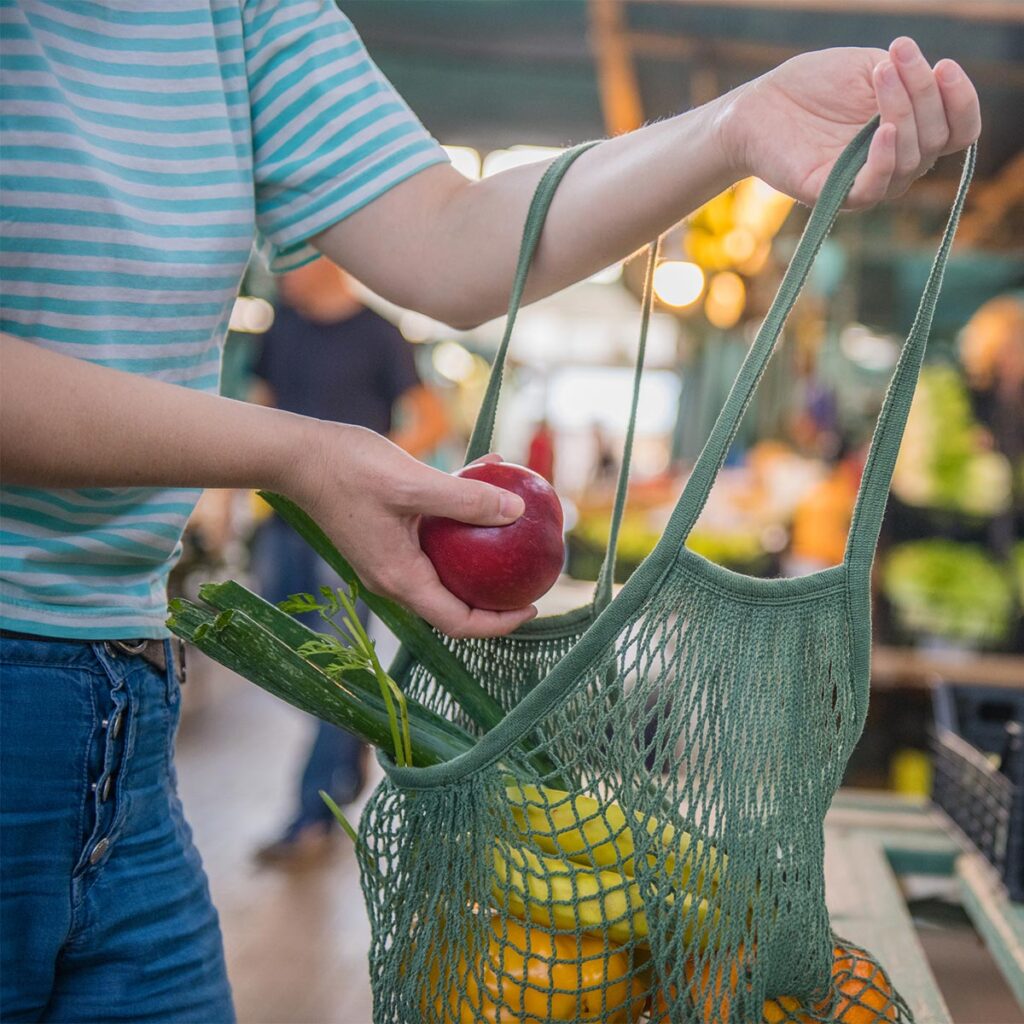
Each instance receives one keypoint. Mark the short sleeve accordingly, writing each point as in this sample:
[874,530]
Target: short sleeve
[329,132]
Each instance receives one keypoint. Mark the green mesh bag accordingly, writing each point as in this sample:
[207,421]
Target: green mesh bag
[641,835]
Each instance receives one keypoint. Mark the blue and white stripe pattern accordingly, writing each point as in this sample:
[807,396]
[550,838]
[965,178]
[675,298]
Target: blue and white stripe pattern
[145,145]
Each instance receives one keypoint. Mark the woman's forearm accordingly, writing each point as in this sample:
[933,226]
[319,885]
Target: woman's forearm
[464,237]
[69,423]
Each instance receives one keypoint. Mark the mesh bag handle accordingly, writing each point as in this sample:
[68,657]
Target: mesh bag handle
[885,442]
[889,430]
[483,431]
[606,577]
[723,433]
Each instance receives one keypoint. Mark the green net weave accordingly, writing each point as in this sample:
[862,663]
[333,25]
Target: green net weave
[641,836]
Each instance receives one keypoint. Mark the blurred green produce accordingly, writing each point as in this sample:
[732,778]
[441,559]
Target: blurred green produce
[739,550]
[957,592]
[589,539]
[943,462]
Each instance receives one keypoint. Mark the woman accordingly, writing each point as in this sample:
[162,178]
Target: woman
[144,146]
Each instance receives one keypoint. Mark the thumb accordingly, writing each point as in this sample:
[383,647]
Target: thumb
[468,501]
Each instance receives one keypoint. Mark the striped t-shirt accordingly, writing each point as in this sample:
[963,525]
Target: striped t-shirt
[145,146]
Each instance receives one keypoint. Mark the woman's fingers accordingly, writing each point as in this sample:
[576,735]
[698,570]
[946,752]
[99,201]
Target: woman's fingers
[960,102]
[433,493]
[934,111]
[895,107]
[873,182]
[420,589]
[922,89]
[925,114]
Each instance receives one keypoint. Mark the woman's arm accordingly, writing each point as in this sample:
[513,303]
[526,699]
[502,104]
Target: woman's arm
[447,247]
[69,423]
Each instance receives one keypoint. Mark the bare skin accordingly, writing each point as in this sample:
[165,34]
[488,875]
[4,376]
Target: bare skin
[445,246]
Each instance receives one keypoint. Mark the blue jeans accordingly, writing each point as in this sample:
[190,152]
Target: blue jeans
[284,564]
[105,912]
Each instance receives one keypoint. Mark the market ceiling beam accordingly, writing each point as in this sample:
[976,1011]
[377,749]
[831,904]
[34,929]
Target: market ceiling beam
[992,201]
[978,10]
[621,103]
[761,55]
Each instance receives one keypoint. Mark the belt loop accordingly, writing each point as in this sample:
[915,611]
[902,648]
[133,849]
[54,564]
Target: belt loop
[131,647]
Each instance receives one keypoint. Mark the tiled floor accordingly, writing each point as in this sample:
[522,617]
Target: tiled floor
[296,942]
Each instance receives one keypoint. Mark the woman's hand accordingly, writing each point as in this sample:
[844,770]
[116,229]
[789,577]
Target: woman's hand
[367,495]
[789,126]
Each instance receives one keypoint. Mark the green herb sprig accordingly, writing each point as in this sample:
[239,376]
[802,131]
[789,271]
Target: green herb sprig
[352,650]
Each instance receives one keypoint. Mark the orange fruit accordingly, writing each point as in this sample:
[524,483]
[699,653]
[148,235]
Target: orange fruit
[544,978]
[709,992]
[865,994]
[865,991]
[784,1010]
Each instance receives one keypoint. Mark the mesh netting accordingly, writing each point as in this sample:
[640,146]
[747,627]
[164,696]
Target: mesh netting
[671,821]
[507,667]
[641,836]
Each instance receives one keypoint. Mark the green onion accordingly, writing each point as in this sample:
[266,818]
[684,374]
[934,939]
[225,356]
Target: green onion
[237,641]
[352,651]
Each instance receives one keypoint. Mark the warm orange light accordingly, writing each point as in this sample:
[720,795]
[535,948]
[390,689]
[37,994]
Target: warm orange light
[759,207]
[726,298]
[739,244]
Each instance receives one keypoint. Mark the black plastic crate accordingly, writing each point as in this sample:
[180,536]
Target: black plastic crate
[979,772]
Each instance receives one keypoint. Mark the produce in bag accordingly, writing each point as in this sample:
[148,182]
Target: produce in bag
[526,975]
[861,993]
[722,705]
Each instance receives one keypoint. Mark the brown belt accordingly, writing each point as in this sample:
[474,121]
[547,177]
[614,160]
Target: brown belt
[151,651]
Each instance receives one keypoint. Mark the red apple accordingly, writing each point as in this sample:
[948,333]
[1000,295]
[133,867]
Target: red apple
[500,568]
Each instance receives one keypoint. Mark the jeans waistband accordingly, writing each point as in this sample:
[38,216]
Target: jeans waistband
[153,652]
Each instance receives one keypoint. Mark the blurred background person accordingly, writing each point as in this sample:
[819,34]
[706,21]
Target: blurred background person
[329,356]
[605,465]
[541,451]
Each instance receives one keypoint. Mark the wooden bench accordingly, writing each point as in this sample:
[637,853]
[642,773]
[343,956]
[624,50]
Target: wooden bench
[872,837]
[999,922]
[864,897]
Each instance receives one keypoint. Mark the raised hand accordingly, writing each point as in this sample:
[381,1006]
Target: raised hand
[788,126]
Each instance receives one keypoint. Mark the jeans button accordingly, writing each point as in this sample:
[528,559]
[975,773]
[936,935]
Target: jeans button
[98,850]
[107,786]
[116,725]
